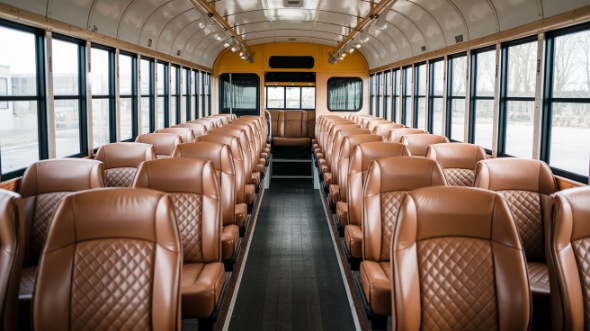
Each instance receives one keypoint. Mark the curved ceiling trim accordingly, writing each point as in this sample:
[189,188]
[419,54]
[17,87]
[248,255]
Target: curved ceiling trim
[465,26]
[440,28]
[179,32]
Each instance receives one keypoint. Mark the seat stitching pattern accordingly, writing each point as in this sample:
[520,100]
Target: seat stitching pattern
[292,128]
[457,284]
[526,209]
[188,210]
[45,208]
[390,203]
[190,273]
[459,177]
[538,275]
[111,286]
[582,253]
[120,177]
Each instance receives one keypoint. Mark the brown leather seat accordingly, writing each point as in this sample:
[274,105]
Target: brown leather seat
[372,124]
[164,143]
[383,129]
[257,135]
[569,262]
[199,129]
[395,135]
[112,261]
[329,169]
[527,185]
[121,161]
[337,192]
[221,159]
[258,163]
[12,244]
[325,157]
[350,214]
[187,135]
[225,118]
[458,161]
[293,128]
[194,190]
[418,143]
[252,176]
[388,180]
[324,142]
[43,187]
[457,263]
[239,164]
[208,123]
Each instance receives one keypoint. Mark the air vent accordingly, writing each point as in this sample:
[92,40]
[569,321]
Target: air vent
[292,39]
[459,38]
[150,42]
[293,3]
[423,48]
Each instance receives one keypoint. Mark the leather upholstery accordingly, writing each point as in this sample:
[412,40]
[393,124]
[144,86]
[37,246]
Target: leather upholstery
[395,135]
[121,161]
[457,263]
[527,185]
[239,164]
[246,149]
[223,163]
[187,135]
[458,161]
[199,129]
[208,123]
[418,143]
[164,143]
[569,243]
[292,127]
[255,148]
[100,243]
[374,123]
[12,244]
[388,180]
[384,128]
[332,164]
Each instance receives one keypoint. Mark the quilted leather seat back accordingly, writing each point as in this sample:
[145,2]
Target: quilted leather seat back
[527,186]
[384,128]
[112,260]
[458,161]
[199,129]
[343,164]
[361,157]
[238,157]
[121,161]
[43,187]
[12,242]
[569,262]
[457,263]
[274,115]
[186,134]
[164,143]
[387,181]
[418,143]
[194,192]
[223,163]
[243,140]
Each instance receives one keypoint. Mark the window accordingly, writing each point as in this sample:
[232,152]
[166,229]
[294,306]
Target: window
[147,95]
[69,88]
[372,92]
[406,96]
[186,82]
[174,113]
[163,86]
[290,97]
[517,104]
[420,96]
[194,86]
[378,94]
[127,97]
[239,94]
[395,95]
[22,99]
[435,99]
[456,90]
[482,97]
[386,94]
[103,96]
[203,84]
[567,112]
[208,93]
[345,94]
[198,99]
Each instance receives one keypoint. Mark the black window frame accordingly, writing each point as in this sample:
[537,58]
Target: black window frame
[133,96]
[474,97]
[417,95]
[355,79]
[239,77]
[387,93]
[406,95]
[431,95]
[451,97]
[111,97]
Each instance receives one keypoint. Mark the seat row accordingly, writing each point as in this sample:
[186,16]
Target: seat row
[200,179]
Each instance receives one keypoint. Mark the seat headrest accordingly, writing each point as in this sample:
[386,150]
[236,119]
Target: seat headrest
[62,175]
[418,143]
[231,141]
[573,208]
[218,154]
[119,155]
[362,154]
[456,155]
[199,129]
[384,128]
[186,134]
[163,143]
[504,174]
[351,141]
[402,174]
[395,135]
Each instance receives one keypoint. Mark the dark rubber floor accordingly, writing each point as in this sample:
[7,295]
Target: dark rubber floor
[292,280]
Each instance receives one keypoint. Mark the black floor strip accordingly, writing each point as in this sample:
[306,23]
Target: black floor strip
[292,280]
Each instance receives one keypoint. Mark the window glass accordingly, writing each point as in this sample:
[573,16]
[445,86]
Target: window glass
[486,73]
[571,77]
[407,90]
[458,119]
[100,71]
[125,75]
[126,93]
[519,128]
[145,115]
[459,75]
[345,94]
[126,119]
[438,78]
[436,96]
[421,81]
[484,123]
[67,127]
[483,98]
[522,66]
[293,97]
[19,140]
[146,67]
[100,122]
[100,88]
[239,93]
[145,76]
[421,120]
[308,97]
[65,68]
[275,97]
[437,116]
[456,99]
[570,137]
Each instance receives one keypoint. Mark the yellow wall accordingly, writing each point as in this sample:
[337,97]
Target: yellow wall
[354,65]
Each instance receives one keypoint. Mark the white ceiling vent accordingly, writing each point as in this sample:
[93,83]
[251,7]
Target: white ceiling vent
[293,3]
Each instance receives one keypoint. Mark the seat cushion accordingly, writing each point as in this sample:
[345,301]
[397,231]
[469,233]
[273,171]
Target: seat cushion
[353,238]
[334,191]
[201,286]
[327,178]
[376,283]
[249,192]
[342,213]
[230,236]
[241,214]
[538,278]
[27,282]
[279,141]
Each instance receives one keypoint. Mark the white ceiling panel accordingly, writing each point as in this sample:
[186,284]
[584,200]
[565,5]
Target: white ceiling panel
[175,28]
[337,18]
[552,7]
[35,6]
[247,17]
[431,30]
[447,16]
[355,8]
[155,26]
[135,17]
[74,12]
[514,13]
[260,41]
[106,15]
[253,27]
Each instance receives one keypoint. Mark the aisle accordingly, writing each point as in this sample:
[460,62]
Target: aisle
[291,280]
